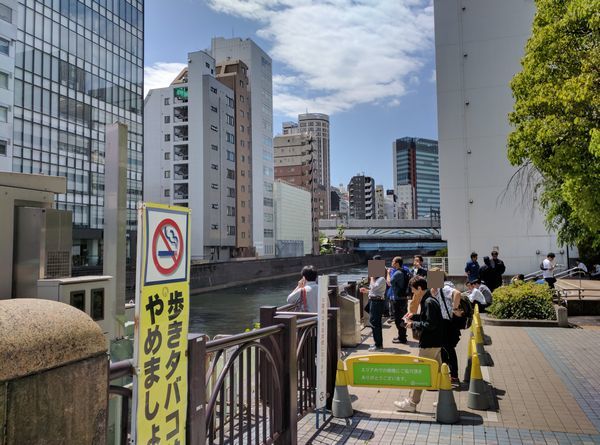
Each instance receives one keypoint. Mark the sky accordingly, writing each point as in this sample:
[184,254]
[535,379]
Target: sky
[369,64]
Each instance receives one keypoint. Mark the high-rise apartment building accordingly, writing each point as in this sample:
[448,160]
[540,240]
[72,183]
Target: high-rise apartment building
[390,205]
[294,164]
[416,165]
[234,74]
[379,202]
[479,46]
[317,125]
[190,156]
[66,70]
[261,122]
[361,190]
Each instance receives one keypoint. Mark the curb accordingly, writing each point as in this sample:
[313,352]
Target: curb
[521,323]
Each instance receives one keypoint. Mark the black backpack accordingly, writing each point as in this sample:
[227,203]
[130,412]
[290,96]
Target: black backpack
[466,307]
[542,266]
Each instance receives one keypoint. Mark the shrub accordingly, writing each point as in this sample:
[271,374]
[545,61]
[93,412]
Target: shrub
[525,301]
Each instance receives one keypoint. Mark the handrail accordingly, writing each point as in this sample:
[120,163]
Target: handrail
[121,368]
[238,339]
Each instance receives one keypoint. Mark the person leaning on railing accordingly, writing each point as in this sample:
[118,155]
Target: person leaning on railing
[305,297]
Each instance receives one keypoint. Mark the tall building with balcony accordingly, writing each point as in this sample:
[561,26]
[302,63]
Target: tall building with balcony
[294,164]
[361,191]
[317,125]
[66,70]
[416,164]
[261,122]
[190,156]
[478,47]
[234,74]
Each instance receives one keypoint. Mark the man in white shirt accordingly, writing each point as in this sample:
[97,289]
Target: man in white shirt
[306,294]
[548,266]
[475,296]
[487,293]
[376,293]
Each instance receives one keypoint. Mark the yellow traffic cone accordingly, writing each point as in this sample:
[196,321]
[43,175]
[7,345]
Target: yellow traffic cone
[446,408]
[470,349]
[484,358]
[478,392]
[477,324]
[341,405]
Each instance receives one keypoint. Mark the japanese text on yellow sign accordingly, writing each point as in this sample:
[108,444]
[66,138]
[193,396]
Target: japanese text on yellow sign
[162,310]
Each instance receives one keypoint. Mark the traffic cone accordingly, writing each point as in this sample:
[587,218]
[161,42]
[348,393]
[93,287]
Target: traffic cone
[341,405]
[487,340]
[478,393]
[484,358]
[470,349]
[446,407]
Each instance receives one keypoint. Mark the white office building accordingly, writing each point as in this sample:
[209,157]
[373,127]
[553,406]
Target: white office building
[261,92]
[478,50]
[292,218]
[189,154]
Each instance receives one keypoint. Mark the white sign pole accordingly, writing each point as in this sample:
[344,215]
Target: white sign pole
[322,342]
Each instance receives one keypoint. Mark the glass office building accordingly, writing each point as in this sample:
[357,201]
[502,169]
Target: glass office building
[78,66]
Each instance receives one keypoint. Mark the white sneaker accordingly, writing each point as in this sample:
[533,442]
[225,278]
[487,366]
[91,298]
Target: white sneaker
[406,406]
[373,348]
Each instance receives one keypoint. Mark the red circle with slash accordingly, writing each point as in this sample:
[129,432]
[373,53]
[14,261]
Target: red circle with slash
[172,243]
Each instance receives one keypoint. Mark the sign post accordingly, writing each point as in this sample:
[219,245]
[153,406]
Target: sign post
[323,305]
[161,328]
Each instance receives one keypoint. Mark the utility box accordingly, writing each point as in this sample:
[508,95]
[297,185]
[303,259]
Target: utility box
[350,323]
[42,248]
[90,294]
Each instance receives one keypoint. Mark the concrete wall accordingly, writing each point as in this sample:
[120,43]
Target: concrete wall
[479,45]
[292,214]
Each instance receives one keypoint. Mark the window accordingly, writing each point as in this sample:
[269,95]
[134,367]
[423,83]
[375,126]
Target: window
[243,172]
[241,83]
[4,80]
[213,90]
[167,156]
[268,233]
[241,98]
[268,217]
[97,306]
[167,119]
[230,138]
[214,186]
[268,202]
[214,128]
[229,101]
[78,299]
[229,119]
[166,101]
[243,219]
[230,192]
[214,166]
[243,203]
[243,188]
[167,137]
[214,147]
[230,174]
[242,128]
[5,13]
[4,46]
[243,234]
[213,108]
[230,211]
[167,174]
[167,193]
[230,155]
[214,226]
[207,65]
[231,230]
[3,148]
[215,206]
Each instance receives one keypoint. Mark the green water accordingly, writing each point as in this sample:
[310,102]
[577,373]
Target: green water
[231,311]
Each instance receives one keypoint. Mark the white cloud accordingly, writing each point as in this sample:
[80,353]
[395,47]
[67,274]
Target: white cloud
[160,75]
[337,54]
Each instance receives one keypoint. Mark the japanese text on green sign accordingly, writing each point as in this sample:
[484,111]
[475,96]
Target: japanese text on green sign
[380,374]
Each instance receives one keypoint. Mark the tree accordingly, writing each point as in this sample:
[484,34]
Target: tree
[556,117]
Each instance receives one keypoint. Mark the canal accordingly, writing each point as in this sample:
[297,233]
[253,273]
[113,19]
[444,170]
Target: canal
[233,310]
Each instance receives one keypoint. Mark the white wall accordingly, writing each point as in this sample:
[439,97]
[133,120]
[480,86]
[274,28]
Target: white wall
[478,51]
[292,214]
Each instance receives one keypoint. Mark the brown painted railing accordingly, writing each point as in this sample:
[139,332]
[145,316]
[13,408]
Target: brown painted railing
[254,387]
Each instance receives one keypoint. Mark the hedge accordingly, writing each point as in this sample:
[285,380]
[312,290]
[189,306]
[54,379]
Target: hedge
[523,301]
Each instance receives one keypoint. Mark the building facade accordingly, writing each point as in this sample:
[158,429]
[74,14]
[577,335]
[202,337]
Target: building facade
[379,202]
[294,164]
[190,155]
[416,164]
[261,123]
[390,205]
[66,70]
[234,74]
[292,222]
[361,191]
[478,50]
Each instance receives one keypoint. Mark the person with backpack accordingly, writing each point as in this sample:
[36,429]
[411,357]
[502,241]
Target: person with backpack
[429,323]
[398,277]
[306,295]
[450,304]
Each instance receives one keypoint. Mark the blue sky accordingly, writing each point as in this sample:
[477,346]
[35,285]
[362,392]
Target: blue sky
[369,64]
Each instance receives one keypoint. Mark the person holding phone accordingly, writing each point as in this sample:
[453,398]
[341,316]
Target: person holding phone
[306,295]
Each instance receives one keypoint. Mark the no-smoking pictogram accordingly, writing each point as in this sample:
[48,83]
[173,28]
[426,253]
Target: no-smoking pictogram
[167,247]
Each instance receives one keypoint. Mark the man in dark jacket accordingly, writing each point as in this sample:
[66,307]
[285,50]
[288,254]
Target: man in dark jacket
[399,285]
[498,268]
[429,322]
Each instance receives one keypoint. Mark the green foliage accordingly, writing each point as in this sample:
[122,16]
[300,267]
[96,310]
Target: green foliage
[524,301]
[442,252]
[340,231]
[556,117]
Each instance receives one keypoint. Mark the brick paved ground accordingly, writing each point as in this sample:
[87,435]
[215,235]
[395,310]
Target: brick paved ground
[546,390]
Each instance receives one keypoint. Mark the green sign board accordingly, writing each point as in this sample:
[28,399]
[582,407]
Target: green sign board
[380,374]
[181,93]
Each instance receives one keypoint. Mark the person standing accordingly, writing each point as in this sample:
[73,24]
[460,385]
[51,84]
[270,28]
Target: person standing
[376,293]
[417,267]
[548,266]
[449,300]
[429,322]
[498,268]
[486,274]
[306,295]
[472,268]
[398,278]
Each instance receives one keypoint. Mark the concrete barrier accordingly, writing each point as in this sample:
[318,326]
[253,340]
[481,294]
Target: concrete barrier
[53,375]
